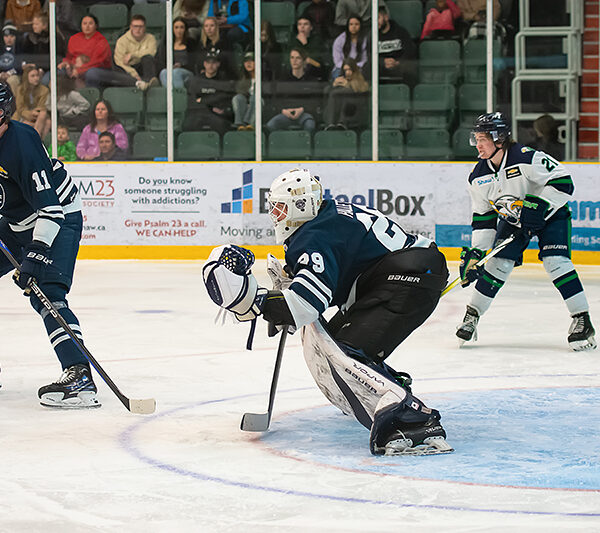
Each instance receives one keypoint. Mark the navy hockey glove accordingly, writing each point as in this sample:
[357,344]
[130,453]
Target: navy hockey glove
[468,270]
[33,267]
[533,214]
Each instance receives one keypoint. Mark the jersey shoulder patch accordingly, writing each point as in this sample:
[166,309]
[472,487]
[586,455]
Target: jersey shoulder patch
[519,154]
[481,169]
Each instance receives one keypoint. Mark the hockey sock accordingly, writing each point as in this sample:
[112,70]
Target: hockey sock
[66,350]
[566,280]
[495,274]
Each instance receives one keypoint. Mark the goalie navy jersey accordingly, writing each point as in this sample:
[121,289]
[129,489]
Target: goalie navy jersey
[35,191]
[328,254]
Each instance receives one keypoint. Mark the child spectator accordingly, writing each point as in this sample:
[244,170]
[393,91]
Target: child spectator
[243,101]
[350,43]
[109,151]
[32,101]
[546,132]
[440,19]
[183,61]
[86,50]
[66,148]
[36,45]
[21,12]
[103,119]
[73,108]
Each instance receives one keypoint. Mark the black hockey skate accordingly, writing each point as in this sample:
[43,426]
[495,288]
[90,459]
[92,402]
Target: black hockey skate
[581,333]
[467,331]
[74,389]
[390,436]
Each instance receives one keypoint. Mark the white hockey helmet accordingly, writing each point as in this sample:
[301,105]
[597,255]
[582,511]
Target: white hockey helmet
[294,198]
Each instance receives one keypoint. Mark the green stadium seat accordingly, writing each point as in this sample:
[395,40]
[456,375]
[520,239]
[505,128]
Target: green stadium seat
[198,146]
[149,145]
[474,60]
[301,7]
[335,144]
[91,94]
[394,107]
[426,144]
[461,147]
[240,146]
[409,14]
[472,102]
[439,61]
[434,105]
[391,145]
[156,108]
[282,16]
[128,105]
[284,145]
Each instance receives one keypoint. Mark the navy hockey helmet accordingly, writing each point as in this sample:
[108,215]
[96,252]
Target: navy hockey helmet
[7,103]
[494,124]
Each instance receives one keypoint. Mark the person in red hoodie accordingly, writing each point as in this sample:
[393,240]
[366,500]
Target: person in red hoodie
[441,18]
[86,49]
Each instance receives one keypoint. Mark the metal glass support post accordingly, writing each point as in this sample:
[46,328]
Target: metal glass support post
[375,80]
[489,65]
[53,76]
[170,121]
[257,82]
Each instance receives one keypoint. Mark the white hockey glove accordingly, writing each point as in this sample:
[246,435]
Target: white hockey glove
[230,283]
[278,276]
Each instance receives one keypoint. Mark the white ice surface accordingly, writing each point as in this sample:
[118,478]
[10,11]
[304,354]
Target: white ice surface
[190,468]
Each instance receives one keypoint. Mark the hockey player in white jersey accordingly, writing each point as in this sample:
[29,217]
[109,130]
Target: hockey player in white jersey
[518,190]
[386,282]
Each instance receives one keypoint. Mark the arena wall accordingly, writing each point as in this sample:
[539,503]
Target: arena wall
[182,210]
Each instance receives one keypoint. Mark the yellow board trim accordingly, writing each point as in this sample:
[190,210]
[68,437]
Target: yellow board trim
[261,251]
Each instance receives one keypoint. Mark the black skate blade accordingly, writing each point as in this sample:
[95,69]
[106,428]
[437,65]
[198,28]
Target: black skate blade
[255,422]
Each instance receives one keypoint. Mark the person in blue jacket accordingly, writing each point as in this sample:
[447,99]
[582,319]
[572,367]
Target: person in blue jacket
[235,14]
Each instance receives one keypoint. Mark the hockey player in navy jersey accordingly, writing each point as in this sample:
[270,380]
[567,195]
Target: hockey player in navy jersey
[517,190]
[385,282]
[41,225]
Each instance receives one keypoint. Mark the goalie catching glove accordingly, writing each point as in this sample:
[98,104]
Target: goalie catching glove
[230,283]
[468,269]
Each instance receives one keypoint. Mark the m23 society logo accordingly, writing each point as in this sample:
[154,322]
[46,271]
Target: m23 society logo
[98,191]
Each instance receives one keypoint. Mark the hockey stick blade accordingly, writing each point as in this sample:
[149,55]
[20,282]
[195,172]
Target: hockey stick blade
[499,247]
[261,421]
[133,406]
[255,422]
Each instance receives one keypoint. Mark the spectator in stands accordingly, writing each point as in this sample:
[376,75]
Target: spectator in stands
[397,52]
[474,10]
[270,50]
[87,50]
[109,151]
[344,104]
[235,14]
[65,18]
[322,15]
[243,101]
[304,38]
[66,147]
[212,40]
[10,56]
[440,20]
[135,53]
[103,119]
[209,98]
[344,9]
[21,12]
[33,100]
[36,45]
[546,131]
[350,43]
[183,55]
[293,112]
[193,12]
[73,108]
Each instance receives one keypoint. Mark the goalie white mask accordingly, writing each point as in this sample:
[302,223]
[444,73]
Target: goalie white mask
[294,198]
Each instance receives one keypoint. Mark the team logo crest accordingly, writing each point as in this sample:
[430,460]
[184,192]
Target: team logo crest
[509,209]
[3,172]
[2,196]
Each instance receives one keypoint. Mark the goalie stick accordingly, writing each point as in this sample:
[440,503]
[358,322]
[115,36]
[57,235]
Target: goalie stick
[499,247]
[261,421]
[143,407]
